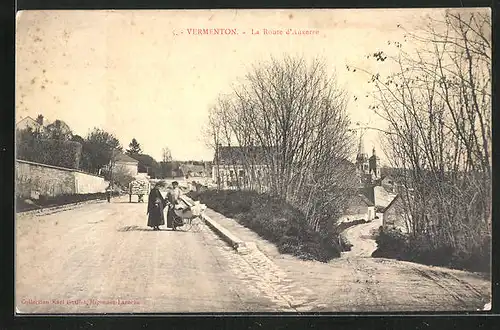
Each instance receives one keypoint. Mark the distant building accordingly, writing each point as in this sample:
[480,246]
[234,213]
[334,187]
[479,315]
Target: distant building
[394,215]
[382,197]
[191,170]
[358,207]
[373,166]
[126,163]
[240,166]
[367,168]
[389,183]
[56,130]
[30,123]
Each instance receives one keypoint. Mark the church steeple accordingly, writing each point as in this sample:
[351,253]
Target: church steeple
[361,157]
[361,147]
[374,170]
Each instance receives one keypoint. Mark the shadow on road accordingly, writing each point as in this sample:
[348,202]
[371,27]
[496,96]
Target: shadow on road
[137,228]
[127,202]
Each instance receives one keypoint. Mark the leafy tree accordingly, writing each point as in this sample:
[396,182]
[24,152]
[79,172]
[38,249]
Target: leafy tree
[134,148]
[58,130]
[100,146]
[85,163]
[39,119]
[166,155]
[148,165]
[166,169]
[32,147]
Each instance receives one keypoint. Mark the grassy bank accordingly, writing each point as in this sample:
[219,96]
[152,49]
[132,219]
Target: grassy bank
[275,220]
[396,245]
[23,204]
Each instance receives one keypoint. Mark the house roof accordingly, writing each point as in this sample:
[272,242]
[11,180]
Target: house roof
[388,176]
[238,155]
[390,204]
[357,195]
[28,118]
[368,192]
[366,200]
[125,158]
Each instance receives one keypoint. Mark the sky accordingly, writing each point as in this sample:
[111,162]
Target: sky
[141,74]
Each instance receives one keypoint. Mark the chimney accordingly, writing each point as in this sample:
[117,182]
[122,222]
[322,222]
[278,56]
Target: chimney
[39,119]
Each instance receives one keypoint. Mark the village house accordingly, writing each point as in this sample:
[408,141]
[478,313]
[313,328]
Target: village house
[191,170]
[382,197]
[356,208]
[389,183]
[238,166]
[394,215]
[126,164]
[30,123]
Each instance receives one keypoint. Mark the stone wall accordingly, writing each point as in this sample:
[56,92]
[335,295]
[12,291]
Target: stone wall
[89,184]
[34,179]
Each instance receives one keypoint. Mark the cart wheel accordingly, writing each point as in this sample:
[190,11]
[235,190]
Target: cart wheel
[187,225]
[197,224]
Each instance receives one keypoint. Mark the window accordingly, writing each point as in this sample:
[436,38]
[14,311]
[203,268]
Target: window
[242,173]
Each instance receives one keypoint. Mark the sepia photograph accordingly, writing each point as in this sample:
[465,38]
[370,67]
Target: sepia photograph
[237,161]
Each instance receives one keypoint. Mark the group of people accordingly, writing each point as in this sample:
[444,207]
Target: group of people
[157,205]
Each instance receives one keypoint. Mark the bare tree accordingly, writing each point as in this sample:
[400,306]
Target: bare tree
[166,155]
[438,108]
[290,116]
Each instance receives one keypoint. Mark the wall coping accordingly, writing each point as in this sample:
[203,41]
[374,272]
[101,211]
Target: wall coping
[56,167]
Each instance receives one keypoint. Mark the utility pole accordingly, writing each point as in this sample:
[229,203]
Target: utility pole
[217,161]
[112,165]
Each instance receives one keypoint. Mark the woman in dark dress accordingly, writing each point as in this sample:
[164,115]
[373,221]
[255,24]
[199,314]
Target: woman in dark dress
[156,204]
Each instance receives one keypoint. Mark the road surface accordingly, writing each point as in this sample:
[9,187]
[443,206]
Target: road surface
[361,238]
[101,258]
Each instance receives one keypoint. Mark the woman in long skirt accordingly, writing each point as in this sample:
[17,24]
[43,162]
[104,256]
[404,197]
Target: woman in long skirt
[156,204]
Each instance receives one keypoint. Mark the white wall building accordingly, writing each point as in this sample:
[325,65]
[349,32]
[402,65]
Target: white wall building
[231,167]
[126,164]
[29,122]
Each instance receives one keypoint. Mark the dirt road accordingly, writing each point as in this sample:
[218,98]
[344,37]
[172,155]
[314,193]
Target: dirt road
[358,283]
[103,258]
[361,238]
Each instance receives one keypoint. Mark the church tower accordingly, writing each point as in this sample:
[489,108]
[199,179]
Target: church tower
[374,169]
[362,157]
[362,166]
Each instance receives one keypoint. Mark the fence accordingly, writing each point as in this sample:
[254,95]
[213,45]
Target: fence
[35,179]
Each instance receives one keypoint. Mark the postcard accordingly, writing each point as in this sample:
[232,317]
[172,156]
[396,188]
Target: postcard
[235,161]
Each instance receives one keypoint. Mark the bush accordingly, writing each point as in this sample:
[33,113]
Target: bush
[51,152]
[121,177]
[345,244]
[23,204]
[394,244]
[274,220]
[347,224]
[391,243]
